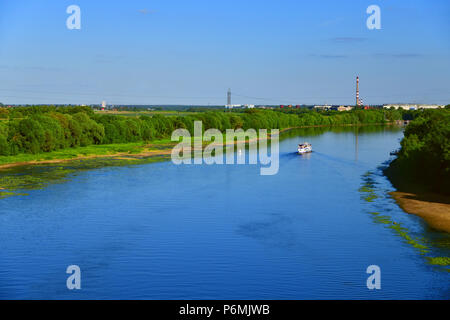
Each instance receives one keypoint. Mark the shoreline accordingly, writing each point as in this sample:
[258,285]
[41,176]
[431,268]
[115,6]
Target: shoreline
[434,209]
[146,151]
[122,155]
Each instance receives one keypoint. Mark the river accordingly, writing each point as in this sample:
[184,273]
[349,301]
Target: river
[162,231]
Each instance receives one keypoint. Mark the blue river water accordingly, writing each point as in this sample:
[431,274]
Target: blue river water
[165,231]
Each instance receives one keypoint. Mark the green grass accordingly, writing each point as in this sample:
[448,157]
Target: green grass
[94,150]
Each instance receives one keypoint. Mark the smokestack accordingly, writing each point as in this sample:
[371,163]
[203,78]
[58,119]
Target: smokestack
[357,91]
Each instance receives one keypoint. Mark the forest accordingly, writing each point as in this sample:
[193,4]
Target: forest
[38,129]
[423,162]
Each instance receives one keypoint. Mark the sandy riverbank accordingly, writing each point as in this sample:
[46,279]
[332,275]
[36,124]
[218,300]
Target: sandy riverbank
[434,209]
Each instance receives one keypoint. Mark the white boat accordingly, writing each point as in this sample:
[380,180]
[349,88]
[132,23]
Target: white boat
[304,148]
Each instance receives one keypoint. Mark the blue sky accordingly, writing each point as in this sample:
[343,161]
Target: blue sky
[191,52]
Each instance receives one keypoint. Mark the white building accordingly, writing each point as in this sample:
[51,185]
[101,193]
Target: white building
[231,106]
[412,106]
[322,107]
[344,108]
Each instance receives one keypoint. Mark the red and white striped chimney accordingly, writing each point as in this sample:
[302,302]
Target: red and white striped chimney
[357,91]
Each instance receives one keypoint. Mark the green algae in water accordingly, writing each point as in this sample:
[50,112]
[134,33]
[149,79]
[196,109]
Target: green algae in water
[370,195]
[397,227]
[424,245]
[365,189]
[418,243]
[368,188]
[6,194]
[439,261]
[14,182]
[367,174]
[383,219]
[35,177]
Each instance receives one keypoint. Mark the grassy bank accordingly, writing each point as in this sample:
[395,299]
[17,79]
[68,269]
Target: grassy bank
[121,150]
[107,150]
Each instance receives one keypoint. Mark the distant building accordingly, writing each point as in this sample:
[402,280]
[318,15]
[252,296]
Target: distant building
[231,106]
[325,107]
[264,107]
[103,105]
[412,106]
[249,106]
[344,108]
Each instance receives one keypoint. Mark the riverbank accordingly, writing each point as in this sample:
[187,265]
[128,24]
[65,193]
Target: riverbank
[124,150]
[433,208]
[127,151]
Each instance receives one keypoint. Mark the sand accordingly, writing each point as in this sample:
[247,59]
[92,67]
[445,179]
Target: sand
[433,208]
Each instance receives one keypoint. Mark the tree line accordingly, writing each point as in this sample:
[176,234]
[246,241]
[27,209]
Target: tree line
[423,162]
[47,128]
